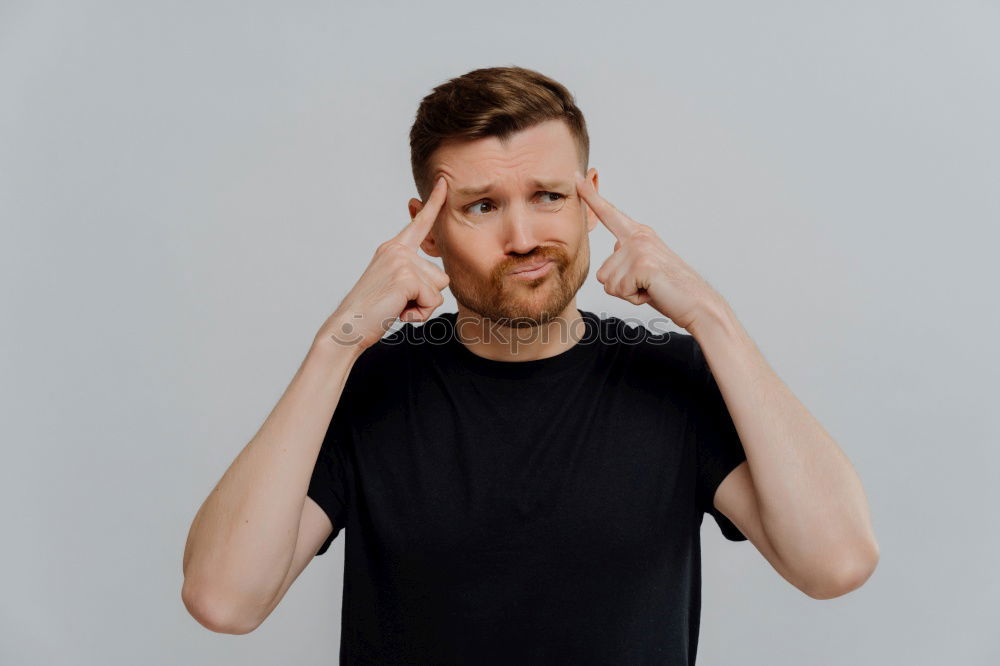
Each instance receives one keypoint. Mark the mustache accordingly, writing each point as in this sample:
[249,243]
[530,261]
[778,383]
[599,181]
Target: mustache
[550,253]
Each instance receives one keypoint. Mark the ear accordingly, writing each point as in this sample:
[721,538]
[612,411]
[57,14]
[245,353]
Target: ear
[429,244]
[591,216]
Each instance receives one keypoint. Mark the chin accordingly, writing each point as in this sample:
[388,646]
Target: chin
[521,304]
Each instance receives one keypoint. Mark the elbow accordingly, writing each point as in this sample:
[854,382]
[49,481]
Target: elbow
[847,578]
[214,614]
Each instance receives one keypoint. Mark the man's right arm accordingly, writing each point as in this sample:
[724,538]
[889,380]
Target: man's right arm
[241,554]
[258,529]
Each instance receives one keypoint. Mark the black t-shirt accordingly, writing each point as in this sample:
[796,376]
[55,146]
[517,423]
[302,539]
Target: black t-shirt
[525,512]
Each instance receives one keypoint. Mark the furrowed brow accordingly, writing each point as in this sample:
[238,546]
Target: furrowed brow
[477,190]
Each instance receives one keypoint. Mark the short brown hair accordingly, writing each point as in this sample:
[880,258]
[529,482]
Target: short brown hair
[492,101]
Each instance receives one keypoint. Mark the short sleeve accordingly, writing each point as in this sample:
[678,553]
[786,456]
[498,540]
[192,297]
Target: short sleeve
[328,485]
[720,450]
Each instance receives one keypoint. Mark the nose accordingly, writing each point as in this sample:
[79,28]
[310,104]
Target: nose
[519,232]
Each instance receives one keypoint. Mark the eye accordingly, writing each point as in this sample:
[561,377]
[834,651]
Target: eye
[475,207]
[476,210]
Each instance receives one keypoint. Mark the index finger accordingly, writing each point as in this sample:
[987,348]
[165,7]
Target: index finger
[418,228]
[617,222]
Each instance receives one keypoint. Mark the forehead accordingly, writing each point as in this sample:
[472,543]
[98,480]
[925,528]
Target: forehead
[544,151]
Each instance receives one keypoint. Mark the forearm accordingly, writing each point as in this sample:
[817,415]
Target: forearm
[812,503]
[242,540]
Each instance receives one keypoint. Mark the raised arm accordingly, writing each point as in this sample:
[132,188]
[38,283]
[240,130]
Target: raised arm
[241,543]
[244,547]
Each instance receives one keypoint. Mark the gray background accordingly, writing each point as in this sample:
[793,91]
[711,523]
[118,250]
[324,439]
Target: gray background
[188,189]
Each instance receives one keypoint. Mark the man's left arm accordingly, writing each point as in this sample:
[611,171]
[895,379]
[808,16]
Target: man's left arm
[804,491]
[802,504]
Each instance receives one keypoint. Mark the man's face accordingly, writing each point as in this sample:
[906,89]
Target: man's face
[508,208]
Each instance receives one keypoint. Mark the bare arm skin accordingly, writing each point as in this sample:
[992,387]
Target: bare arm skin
[257,530]
[242,543]
[797,497]
[797,484]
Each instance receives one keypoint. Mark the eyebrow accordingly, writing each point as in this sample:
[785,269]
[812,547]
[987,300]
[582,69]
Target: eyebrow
[476,190]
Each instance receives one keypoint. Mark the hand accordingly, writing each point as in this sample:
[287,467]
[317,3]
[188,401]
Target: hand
[642,269]
[398,283]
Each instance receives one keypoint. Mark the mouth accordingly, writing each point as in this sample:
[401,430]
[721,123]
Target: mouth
[532,271]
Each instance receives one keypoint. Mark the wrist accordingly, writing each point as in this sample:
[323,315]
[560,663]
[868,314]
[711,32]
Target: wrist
[714,317]
[340,335]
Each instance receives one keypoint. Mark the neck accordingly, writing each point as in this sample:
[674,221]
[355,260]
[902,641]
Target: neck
[496,342]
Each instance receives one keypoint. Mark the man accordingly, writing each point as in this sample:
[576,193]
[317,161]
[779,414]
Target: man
[523,481]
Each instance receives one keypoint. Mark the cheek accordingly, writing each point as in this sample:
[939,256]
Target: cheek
[465,250]
[573,227]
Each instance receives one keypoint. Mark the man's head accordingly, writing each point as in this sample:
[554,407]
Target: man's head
[509,142]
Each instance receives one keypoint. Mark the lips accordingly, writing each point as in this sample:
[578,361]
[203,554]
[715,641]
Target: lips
[529,267]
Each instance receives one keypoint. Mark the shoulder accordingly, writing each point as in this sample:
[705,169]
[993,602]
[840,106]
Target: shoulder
[388,359]
[648,342]
[374,365]
[650,352]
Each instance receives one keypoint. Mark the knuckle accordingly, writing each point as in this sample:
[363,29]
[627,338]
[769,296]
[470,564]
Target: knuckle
[404,277]
[394,246]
